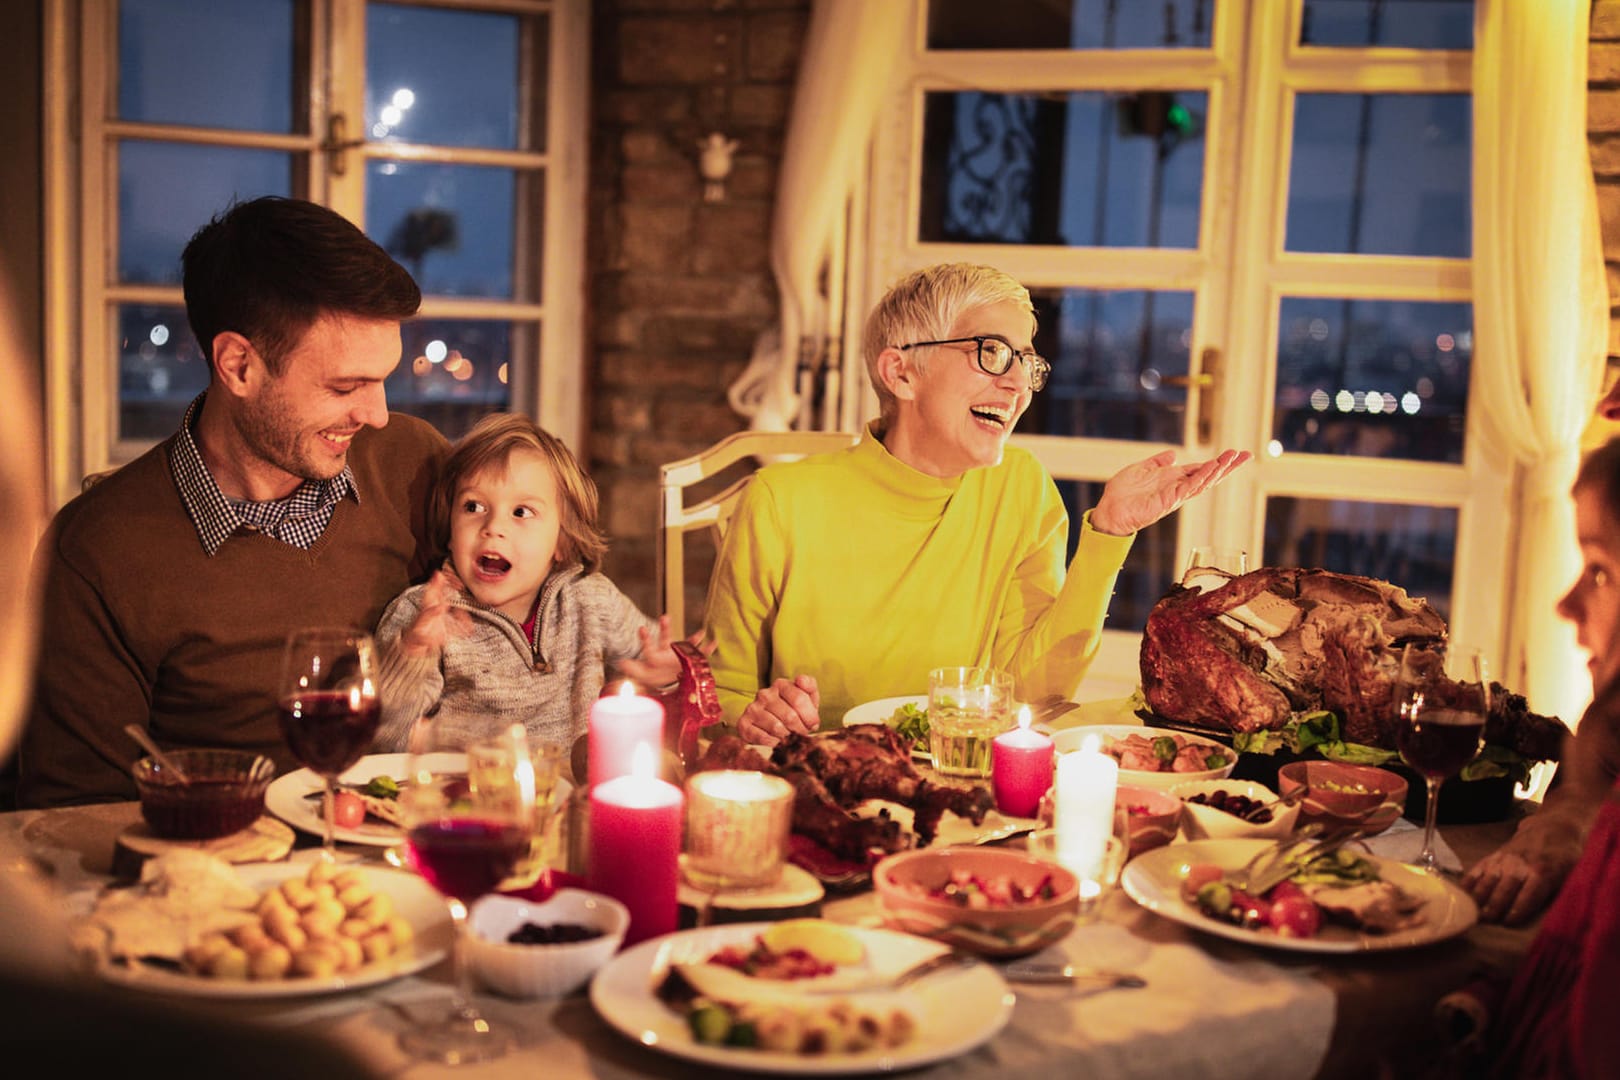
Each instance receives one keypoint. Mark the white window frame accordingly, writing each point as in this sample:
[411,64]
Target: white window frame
[1253,58]
[81,379]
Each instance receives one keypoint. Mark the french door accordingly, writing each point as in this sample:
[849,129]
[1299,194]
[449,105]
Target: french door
[1244,223]
[451,131]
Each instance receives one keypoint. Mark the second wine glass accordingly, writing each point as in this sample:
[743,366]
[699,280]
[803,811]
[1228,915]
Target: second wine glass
[469,823]
[327,704]
[1441,726]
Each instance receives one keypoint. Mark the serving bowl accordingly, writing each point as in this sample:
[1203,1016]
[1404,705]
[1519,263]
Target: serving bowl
[1204,822]
[542,970]
[225,792]
[910,885]
[1340,794]
[1151,817]
[1116,735]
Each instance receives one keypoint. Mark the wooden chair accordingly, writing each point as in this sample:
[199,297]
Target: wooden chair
[676,519]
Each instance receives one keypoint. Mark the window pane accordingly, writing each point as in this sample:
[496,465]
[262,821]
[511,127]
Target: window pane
[451,78]
[1410,24]
[454,226]
[167,191]
[456,370]
[1110,351]
[1412,546]
[224,64]
[160,369]
[1150,568]
[1072,24]
[1384,174]
[1373,378]
[1082,170]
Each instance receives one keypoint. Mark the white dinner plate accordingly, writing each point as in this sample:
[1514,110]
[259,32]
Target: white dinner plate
[882,710]
[955,1010]
[286,797]
[413,898]
[1153,880]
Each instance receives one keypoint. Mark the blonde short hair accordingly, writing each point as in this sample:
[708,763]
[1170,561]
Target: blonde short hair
[491,443]
[924,305]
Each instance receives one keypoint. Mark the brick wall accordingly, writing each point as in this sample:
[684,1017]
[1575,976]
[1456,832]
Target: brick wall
[679,287]
[1603,136]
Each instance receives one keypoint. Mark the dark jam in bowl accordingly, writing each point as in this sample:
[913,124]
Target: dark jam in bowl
[329,730]
[202,809]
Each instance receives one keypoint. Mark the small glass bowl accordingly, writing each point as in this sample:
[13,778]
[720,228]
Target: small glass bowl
[225,793]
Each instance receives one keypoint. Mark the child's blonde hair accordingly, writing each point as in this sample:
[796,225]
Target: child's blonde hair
[491,443]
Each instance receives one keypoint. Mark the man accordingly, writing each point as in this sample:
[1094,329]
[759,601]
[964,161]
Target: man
[286,499]
[847,576]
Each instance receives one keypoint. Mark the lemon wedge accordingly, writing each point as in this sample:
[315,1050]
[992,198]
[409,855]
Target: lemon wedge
[827,942]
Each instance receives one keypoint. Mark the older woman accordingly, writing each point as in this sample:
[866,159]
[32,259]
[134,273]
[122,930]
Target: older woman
[847,576]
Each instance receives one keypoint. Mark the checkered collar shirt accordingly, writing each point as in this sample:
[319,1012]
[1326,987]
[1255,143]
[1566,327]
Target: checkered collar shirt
[299,519]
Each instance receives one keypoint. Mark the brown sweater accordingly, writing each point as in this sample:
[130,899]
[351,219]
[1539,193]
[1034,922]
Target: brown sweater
[140,626]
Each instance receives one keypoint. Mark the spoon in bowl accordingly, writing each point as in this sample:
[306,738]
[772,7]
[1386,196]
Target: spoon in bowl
[139,734]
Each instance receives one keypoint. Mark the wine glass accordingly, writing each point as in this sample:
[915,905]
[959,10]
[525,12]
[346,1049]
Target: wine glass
[327,704]
[1441,726]
[1233,561]
[469,824]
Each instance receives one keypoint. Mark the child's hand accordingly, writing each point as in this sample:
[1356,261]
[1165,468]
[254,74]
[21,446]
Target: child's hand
[439,617]
[659,665]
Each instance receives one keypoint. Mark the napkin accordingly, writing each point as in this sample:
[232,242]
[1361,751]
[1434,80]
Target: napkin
[1403,842]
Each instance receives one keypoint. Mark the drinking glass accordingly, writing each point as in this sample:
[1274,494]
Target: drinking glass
[327,704]
[469,824]
[1441,725]
[967,708]
[1233,561]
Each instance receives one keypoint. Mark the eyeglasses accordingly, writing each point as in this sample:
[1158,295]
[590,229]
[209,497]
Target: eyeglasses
[995,357]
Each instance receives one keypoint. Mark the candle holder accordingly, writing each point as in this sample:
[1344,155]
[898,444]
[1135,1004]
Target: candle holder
[1098,878]
[737,826]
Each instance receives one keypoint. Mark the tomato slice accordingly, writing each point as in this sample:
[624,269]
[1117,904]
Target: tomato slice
[348,810]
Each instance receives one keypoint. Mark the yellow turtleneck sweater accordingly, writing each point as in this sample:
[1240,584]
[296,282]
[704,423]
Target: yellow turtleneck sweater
[859,570]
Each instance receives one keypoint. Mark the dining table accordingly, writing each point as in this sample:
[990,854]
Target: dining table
[1210,1006]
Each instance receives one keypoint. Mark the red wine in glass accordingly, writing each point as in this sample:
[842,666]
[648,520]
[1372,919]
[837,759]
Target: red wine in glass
[467,857]
[329,730]
[1439,742]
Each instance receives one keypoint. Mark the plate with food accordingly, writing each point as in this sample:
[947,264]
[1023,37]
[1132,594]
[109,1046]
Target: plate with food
[268,930]
[368,798]
[907,714]
[1343,901]
[1151,758]
[803,997]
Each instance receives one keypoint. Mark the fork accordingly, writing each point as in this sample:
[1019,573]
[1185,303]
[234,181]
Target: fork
[1288,857]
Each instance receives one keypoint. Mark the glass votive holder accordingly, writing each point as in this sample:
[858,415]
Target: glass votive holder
[1098,874]
[737,825]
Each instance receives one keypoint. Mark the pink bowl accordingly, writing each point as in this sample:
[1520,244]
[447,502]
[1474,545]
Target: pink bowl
[902,882]
[1340,794]
[1151,817]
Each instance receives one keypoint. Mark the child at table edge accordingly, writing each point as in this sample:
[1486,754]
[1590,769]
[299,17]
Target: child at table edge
[518,622]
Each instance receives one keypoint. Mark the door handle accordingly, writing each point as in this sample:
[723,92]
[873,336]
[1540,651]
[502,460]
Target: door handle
[1207,381]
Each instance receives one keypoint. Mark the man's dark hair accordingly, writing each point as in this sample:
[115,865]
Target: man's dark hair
[269,268]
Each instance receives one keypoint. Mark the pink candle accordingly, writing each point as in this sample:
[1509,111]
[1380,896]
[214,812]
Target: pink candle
[1020,768]
[636,845]
[620,723]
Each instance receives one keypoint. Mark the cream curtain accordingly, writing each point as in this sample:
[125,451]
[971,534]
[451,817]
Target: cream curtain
[1540,309]
[844,77]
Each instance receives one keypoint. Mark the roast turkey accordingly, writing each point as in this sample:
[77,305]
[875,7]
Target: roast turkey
[1246,653]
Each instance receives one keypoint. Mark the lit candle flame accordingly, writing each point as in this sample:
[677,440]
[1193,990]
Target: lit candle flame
[1091,745]
[1024,718]
[626,690]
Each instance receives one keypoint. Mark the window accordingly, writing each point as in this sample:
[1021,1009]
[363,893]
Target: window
[1243,223]
[452,132]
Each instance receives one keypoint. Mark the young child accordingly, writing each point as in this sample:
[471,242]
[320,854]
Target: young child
[516,626]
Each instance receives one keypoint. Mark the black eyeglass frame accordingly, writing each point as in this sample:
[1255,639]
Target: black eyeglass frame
[1036,367]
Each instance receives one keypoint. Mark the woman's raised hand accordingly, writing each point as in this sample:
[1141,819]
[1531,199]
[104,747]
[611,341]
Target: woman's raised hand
[1140,494]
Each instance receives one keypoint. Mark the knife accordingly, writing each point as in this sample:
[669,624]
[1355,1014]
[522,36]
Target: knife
[1034,972]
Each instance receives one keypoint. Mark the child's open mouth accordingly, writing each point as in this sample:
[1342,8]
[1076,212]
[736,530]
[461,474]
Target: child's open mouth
[493,566]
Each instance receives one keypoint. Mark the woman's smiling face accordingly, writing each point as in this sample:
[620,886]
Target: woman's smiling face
[504,525]
[952,415]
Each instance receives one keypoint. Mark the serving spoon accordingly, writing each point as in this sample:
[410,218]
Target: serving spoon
[139,734]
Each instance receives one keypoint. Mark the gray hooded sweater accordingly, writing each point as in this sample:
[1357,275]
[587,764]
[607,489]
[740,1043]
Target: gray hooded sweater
[491,677]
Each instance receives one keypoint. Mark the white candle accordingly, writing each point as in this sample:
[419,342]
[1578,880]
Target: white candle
[1084,815]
